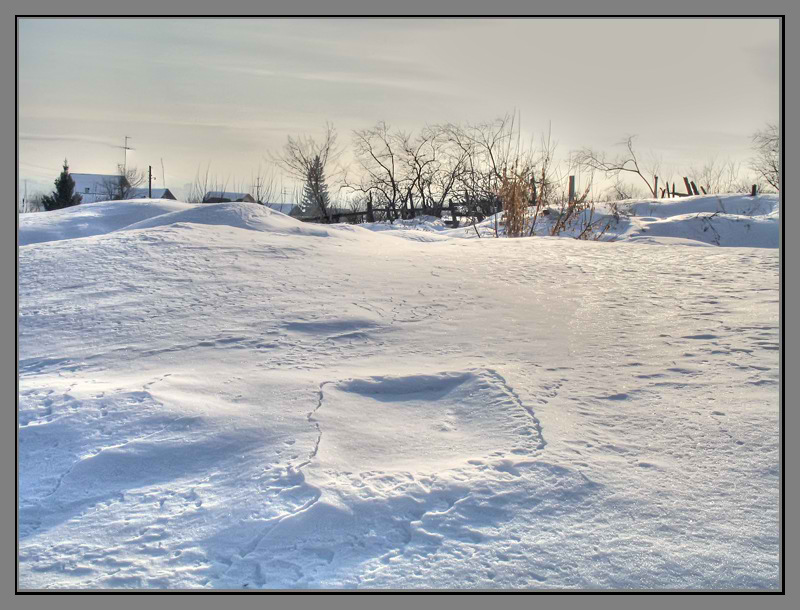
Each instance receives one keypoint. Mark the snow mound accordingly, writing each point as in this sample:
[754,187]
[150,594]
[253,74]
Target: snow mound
[730,230]
[202,406]
[720,220]
[238,215]
[740,205]
[716,220]
[93,219]
[90,219]
[366,424]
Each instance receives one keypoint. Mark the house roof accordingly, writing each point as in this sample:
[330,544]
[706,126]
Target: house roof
[226,195]
[92,179]
[142,193]
[286,208]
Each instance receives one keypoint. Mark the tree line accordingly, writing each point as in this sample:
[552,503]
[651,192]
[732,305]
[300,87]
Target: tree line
[470,169]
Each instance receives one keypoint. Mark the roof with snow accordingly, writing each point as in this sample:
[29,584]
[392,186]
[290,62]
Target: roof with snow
[219,196]
[89,180]
[93,187]
[154,193]
[286,208]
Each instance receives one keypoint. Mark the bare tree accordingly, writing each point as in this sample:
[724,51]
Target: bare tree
[378,153]
[627,162]
[121,185]
[437,165]
[199,187]
[303,156]
[621,190]
[263,185]
[487,150]
[717,176]
[767,160]
[31,204]
[205,183]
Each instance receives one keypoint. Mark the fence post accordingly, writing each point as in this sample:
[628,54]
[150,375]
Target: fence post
[688,186]
[754,191]
[571,189]
[694,188]
[370,215]
[655,187]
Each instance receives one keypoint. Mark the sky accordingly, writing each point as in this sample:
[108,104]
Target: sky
[226,93]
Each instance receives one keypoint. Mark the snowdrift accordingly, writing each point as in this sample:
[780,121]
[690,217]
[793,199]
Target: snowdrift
[724,220]
[718,220]
[222,397]
[248,216]
[89,219]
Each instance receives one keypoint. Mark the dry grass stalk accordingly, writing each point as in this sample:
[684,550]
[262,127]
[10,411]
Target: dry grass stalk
[515,194]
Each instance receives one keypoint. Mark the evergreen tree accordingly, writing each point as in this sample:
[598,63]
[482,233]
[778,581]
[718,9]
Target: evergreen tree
[316,201]
[64,196]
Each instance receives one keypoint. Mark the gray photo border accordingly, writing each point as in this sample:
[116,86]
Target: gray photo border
[356,600]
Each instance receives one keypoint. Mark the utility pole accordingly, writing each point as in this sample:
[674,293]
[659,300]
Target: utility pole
[149,181]
[283,196]
[126,149]
[258,189]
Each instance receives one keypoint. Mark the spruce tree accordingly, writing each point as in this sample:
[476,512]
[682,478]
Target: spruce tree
[316,200]
[64,196]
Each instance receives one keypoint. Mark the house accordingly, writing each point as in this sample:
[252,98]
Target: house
[225,196]
[96,187]
[298,212]
[142,193]
[286,208]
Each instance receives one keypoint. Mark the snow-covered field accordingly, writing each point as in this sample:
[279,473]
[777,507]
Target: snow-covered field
[219,396]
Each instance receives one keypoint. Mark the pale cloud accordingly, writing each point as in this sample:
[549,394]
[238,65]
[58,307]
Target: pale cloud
[230,90]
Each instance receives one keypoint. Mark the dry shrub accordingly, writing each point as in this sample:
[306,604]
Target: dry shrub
[515,194]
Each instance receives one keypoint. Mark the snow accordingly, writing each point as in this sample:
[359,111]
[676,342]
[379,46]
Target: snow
[90,219]
[227,195]
[719,220]
[220,396]
[145,193]
[92,187]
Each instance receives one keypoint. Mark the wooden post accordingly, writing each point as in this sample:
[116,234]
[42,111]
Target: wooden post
[571,189]
[150,181]
[673,189]
[688,186]
[370,215]
[704,190]
[655,186]
[754,191]
[694,188]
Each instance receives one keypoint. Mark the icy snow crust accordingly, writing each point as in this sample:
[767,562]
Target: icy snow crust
[220,396]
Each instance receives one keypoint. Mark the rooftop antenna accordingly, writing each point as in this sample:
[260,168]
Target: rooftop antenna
[126,148]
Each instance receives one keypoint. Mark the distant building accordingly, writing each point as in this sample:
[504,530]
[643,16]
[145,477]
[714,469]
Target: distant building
[286,208]
[95,187]
[334,212]
[225,197]
[142,193]
[106,187]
